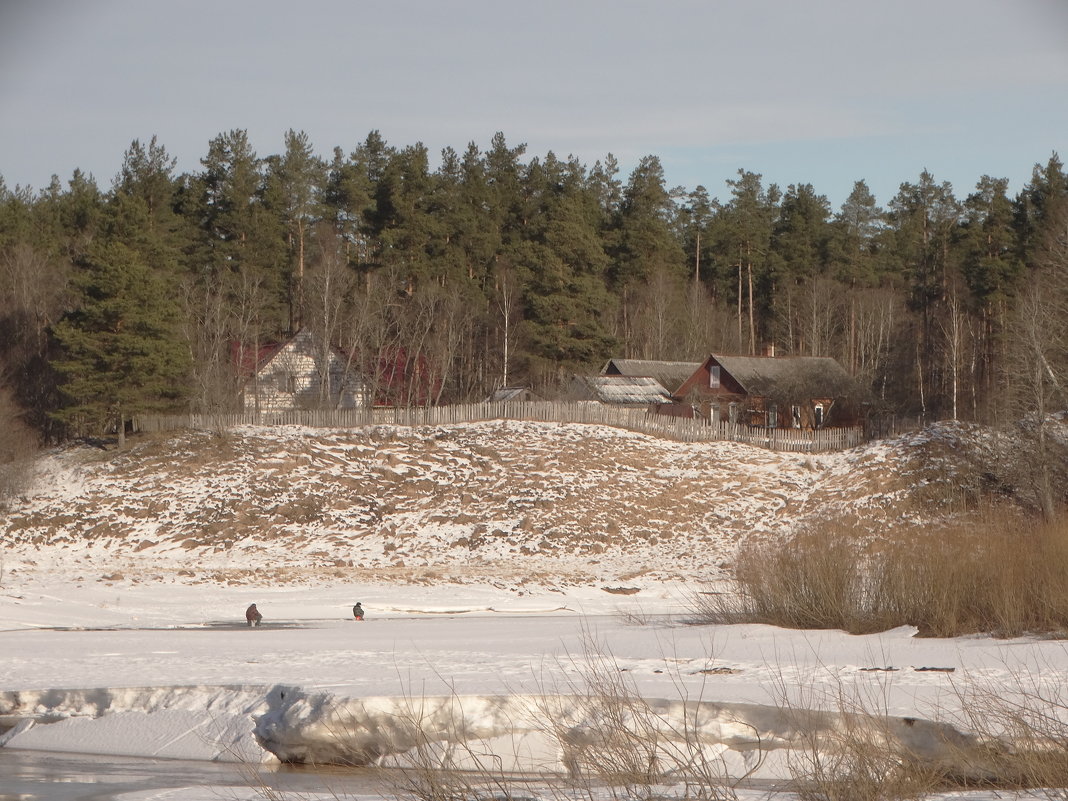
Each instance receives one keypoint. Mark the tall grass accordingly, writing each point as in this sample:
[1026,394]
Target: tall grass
[1001,573]
[18,448]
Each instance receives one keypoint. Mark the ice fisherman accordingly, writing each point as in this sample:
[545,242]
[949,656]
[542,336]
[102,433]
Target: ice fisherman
[253,616]
[357,611]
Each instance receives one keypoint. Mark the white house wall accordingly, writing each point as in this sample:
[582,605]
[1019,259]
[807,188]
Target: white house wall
[291,380]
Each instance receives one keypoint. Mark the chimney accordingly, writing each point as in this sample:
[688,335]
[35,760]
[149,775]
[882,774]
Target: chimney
[769,349]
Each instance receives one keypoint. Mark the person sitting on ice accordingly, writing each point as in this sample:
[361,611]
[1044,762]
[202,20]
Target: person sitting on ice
[357,611]
[253,616]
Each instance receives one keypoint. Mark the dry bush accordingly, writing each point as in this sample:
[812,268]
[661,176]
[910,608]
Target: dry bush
[435,770]
[1024,721]
[617,745]
[1001,573]
[858,751]
[859,761]
[1001,735]
[814,581]
[18,446]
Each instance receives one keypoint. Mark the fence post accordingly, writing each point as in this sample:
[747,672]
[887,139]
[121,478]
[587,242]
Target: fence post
[629,418]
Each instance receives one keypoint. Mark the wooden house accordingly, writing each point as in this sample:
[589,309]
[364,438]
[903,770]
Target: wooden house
[618,390]
[670,375]
[395,377]
[804,392]
[302,373]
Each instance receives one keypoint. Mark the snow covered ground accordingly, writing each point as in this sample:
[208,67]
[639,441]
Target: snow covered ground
[124,583]
[173,672]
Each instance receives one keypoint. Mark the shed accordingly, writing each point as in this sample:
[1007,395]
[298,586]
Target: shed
[513,395]
[618,390]
[670,375]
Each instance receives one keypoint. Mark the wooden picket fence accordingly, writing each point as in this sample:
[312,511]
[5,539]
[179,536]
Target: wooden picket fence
[631,419]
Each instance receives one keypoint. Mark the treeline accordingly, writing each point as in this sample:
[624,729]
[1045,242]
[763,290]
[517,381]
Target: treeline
[498,268]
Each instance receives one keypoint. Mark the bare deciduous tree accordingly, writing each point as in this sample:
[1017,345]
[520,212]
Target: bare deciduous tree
[328,296]
[1038,363]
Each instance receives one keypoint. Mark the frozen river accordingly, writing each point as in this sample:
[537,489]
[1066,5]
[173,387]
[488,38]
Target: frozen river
[42,776]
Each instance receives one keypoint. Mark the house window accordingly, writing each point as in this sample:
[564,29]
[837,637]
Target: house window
[795,415]
[817,413]
[732,414]
[287,382]
[713,377]
[773,416]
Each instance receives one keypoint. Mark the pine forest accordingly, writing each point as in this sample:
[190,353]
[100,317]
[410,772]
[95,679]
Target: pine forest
[495,267]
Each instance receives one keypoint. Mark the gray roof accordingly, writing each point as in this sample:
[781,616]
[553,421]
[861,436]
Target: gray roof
[670,375]
[619,389]
[761,375]
[506,394]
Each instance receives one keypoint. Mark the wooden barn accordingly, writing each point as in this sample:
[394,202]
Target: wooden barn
[514,395]
[670,375]
[618,390]
[802,392]
[299,374]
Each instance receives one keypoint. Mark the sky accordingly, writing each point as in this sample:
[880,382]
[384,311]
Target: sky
[824,92]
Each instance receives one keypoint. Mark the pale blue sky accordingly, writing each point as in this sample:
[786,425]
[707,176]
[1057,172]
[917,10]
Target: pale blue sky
[803,91]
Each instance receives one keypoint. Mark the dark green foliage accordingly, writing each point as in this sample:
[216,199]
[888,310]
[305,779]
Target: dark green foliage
[494,266]
[647,241]
[743,245]
[121,354]
[854,245]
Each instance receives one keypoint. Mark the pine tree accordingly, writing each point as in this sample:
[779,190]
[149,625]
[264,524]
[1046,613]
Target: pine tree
[695,217]
[857,261]
[647,218]
[564,266]
[924,218]
[140,209]
[855,238]
[744,242]
[121,353]
[147,174]
[991,270]
[648,247]
[805,298]
[295,183]
[407,229]
[1041,205]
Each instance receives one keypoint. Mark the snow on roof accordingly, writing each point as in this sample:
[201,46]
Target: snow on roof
[621,390]
[505,394]
[671,375]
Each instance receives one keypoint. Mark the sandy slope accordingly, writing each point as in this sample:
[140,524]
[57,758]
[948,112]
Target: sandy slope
[511,503]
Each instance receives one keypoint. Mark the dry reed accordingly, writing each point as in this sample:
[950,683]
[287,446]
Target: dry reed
[1002,573]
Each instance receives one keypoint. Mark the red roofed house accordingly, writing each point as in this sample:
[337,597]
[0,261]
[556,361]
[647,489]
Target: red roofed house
[298,374]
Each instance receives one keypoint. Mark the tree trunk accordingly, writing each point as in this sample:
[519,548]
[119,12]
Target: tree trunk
[740,337]
[697,261]
[752,320]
